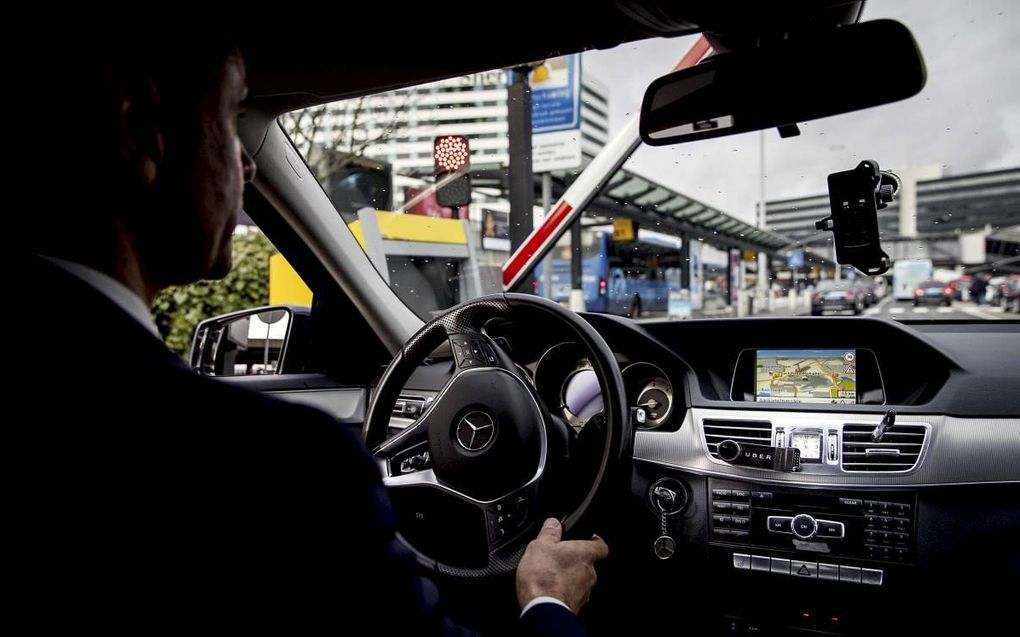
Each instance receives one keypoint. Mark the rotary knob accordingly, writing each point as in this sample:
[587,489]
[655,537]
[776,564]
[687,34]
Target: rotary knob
[804,526]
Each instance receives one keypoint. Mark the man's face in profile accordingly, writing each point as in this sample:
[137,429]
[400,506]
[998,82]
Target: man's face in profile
[198,194]
[221,167]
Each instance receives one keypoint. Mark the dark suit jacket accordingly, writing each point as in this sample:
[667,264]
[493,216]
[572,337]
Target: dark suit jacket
[147,497]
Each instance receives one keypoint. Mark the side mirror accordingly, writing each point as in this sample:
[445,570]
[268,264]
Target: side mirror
[258,341]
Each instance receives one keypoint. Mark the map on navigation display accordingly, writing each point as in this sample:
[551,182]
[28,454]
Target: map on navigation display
[806,376]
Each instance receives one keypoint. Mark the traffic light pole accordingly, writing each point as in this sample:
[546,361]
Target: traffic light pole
[522,185]
[517,270]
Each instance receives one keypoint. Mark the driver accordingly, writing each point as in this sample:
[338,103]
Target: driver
[149,497]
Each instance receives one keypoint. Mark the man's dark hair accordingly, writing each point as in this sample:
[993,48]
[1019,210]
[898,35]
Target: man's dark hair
[74,90]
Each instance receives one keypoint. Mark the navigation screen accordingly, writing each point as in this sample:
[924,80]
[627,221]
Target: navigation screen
[806,376]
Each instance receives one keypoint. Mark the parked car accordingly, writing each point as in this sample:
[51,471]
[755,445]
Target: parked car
[837,296]
[932,292]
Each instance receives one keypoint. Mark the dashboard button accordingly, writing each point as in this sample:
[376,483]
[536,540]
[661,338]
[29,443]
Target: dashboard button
[804,526]
[780,566]
[850,574]
[872,576]
[759,563]
[850,503]
[742,509]
[740,523]
[761,496]
[721,506]
[779,524]
[804,569]
[721,493]
[741,561]
[740,495]
[828,571]
[829,529]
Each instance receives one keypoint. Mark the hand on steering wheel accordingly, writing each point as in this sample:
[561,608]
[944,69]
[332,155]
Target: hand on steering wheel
[468,478]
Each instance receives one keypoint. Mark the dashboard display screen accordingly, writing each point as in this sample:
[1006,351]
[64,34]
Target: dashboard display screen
[821,376]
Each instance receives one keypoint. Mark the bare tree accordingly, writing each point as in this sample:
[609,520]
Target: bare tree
[335,135]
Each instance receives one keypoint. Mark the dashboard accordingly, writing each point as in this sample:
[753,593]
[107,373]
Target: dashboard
[817,466]
[564,380]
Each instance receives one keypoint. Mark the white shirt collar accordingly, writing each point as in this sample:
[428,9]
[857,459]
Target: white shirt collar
[112,289]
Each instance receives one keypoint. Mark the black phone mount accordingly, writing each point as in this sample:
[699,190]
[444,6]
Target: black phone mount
[855,197]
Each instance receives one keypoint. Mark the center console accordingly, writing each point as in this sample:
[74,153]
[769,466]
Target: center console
[818,548]
[865,529]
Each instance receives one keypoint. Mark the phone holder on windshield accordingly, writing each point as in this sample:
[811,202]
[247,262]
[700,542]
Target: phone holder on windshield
[855,197]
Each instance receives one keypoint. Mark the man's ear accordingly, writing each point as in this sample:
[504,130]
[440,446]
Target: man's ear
[139,128]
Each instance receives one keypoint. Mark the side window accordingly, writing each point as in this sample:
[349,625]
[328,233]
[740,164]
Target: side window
[260,276]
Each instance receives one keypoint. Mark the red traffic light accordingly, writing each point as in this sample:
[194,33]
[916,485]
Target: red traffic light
[451,153]
[453,179]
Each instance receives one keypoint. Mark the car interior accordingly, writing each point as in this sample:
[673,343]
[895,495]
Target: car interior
[895,513]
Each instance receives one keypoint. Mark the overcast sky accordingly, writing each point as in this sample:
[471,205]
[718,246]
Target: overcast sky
[966,119]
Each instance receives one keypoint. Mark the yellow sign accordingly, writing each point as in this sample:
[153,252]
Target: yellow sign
[623,230]
[406,227]
[285,285]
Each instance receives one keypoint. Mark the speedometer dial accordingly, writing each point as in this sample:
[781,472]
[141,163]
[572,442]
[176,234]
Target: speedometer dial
[656,398]
[649,389]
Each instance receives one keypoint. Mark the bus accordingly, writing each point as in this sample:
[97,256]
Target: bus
[907,273]
[628,278]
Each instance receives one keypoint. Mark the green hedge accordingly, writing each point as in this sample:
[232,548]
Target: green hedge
[178,310]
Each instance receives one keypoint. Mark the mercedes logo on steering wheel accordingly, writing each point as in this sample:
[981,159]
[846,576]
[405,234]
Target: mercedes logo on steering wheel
[475,431]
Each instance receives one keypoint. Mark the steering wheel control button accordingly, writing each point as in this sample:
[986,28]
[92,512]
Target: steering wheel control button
[506,517]
[780,524]
[804,569]
[804,526]
[830,530]
[741,561]
[472,352]
[871,576]
[828,572]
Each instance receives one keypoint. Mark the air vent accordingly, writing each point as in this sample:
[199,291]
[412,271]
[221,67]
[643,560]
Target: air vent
[753,431]
[898,451]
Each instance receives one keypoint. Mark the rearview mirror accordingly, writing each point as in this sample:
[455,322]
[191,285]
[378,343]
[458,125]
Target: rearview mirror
[806,76]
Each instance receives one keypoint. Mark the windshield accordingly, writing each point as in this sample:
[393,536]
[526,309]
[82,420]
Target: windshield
[716,228]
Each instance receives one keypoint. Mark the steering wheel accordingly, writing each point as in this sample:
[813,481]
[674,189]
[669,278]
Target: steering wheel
[482,465]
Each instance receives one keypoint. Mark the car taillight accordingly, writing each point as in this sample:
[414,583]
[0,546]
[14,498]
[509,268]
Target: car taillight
[603,284]
[948,290]
[534,284]
[918,292]
[849,296]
